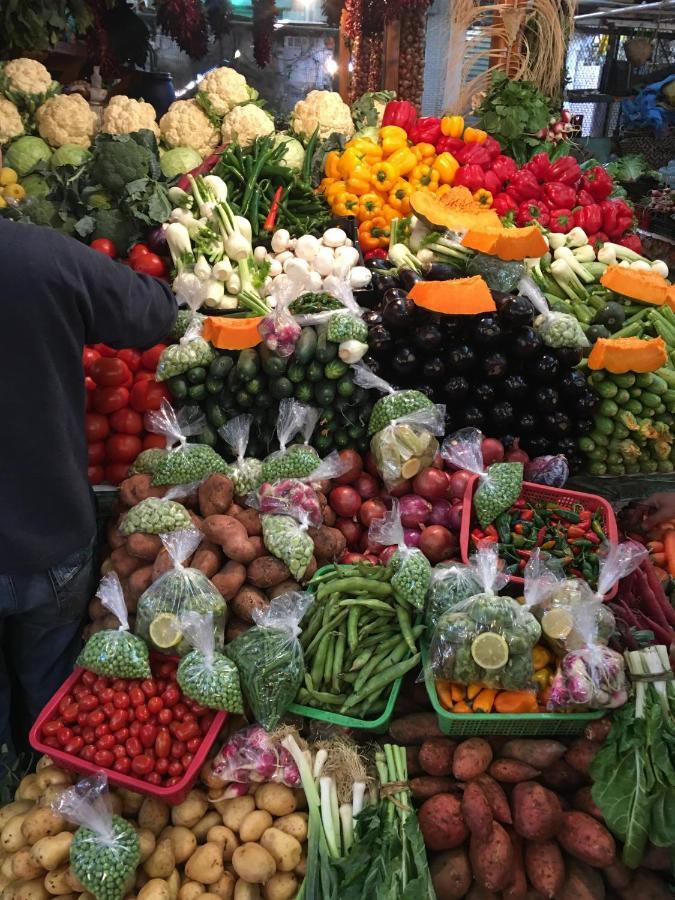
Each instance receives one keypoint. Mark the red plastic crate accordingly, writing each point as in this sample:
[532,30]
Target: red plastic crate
[173,795]
[540,493]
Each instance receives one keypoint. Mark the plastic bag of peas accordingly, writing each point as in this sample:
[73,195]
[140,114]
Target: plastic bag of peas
[410,567]
[204,675]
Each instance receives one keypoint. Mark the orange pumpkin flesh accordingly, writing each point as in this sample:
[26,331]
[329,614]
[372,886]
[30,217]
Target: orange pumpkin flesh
[232,334]
[457,297]
[648,287]
[619,355]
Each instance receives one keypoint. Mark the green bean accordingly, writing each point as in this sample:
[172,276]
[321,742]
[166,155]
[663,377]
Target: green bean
[319,663]
[325,629]
[381,680]
[326,699]
[406,626]
[353,627]
[354,584]
[328,664]
[394,647]
[359,661]
[338,659]
[367,602]
[314,621]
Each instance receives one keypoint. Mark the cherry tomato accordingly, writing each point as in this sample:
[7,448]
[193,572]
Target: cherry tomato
[149,687]
[162,685]
[51,741]
[138,250]
[136,696]
[122,735]
[155,705]
[50,728]
[97,717]
[107,742]
[153,778]
[162,766]
[104,758]
[70,713]
[65,702]
[89,678]
[108,709]
[88,735]
[171,696]
[163,743]
[118,720]
[102,730]
[186,760]
[175,768]
[193,744]
[170,782]
[87,753]
[82,718]
[122,764]
[133,746]
[135,729]
[186,730]
[131,357]
[106,695]
[119,684]
[148,735]
[121,700]
[142,764]
[165,716]
[105,246]
[88,702]
[141,713]
[126,421]
[178,748]
[198,709]
[74,745]
[149,264]
[108,400]
[63,735]
[119,751]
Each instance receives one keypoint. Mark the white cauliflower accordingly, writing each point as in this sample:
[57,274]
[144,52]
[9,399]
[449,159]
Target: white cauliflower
[11,125]
[325,110]
[66,119]
[243,124]
[224,88]
[185,124]
[27,75]
[124,115]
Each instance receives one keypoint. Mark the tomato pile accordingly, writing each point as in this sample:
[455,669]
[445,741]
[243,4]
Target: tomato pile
[120,388]
[141,258]
[146,729]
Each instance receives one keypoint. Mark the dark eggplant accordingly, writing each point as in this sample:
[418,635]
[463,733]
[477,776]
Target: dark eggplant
[572,384]
[501,417]
[527,423]
[526,342]
[461,358]
[486,330]
[440,272]
[380,341]
[433,369]
[376,264]
[537,445]
[569,356]
[515,388]
[495,365]
[383,282]
[587,403]
[500,298]
[408,278]
[372,317]
[428,337]
[405,361]
[567,446]
[394,293]
[558,424]
[585,426]
[399,315]
[484,393]
[454,327]
[576,461]
[456,388]
[612,316]
[517,311]
[593,332]
[472,417]
[546,399]
[545,368]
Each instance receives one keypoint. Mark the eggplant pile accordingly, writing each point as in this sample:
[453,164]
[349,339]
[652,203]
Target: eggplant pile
[491,370]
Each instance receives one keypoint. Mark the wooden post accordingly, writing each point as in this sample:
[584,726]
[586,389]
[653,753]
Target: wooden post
[343,60]
[392,40]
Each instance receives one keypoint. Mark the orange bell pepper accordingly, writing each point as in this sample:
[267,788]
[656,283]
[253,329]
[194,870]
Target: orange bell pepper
[483,197]
[389,213]
[335,188]
[344,204]
[359,182]
[392,138]
[452,126]
[331,164]
[399,196]
[424,152]
[350,161]
[370,205]
[403,160]
[446,165]
[423,177]
[374,233]
[475,136]
[383,176]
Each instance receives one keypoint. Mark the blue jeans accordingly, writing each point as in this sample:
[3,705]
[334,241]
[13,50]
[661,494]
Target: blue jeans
[41,618]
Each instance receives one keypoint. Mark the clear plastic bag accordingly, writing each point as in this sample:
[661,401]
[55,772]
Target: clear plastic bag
[410,567]
[393,405]
[159,515]
[105,850]
[407,445]
[286,538]
[450,584]
[115,653]
[270,659]
[191,350]
[251,756]
[176,592]
[298,460]
[184,462]
[500,484]
[486,639]
[340,289]
[204,675]
[556,329]
[245,472]
[279,330]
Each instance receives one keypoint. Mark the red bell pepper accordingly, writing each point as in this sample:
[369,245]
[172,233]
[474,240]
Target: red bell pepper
[473,154]
[626,217]
[531,211]
[449,145]
[524,186]
[492,146]
[632,241]
[378,253]
[598,183]
[597,240]
[540,167]
[584,198]
[557,195]
[561,221]
[504,205]
[493,184]
[589,218]
[617,217]
[566,169]
[427,130]
[501,171]
[401,113]
[471,177]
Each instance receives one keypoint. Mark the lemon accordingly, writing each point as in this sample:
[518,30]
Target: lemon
[14,192]
[490,651]
[557,623]
[165,631]
[7,176]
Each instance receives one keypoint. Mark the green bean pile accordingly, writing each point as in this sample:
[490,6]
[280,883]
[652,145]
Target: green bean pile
[357,640]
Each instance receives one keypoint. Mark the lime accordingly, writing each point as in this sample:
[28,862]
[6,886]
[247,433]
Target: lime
[490,651]
[165,631]
[557,623]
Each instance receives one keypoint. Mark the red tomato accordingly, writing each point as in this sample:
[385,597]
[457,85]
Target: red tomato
[154,442]
[123,448]
[148,735]
[110,399]
[63,735]
[116,473]
[50,728]
[126,421]
[118,720]
[105,246]
[149,264]
[141,713]
[121,700]
[131,357]
[162,765]
[95,474]
[165,717]
[142,764]
[104,758]
[122,765]
[74,746]
[155,705]
[109,372]
[88,702]
[175,769]
[107,742]
[178,748]
[148,395]
[136,696]
[96,454]
[171,696]
[104,350]
[151,356]
[149,687]
[70,713]
[138,250]
[88,753]
[153,778]
[89,678]
[89,356]
[96,428]
[163,743]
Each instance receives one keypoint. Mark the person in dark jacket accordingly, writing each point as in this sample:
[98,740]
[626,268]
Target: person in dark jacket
[56,295]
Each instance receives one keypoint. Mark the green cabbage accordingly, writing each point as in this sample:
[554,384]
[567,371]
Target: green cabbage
[35,185]
[69,155]
[25,153]
[294,156]
[179,161]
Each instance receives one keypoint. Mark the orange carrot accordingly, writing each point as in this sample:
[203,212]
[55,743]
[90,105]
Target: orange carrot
[458,692]
[462,707]
[444,693]
[515,702]
[484,701]
[669,550]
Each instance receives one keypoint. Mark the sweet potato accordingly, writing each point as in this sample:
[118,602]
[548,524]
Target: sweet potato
[96,609]
[425,786]
[143,546]
[584,883]
[580,754]
[230,579]
[511,771]
[414,728]
[496,797]
[478,892]
[231,535]
[471,759]
[441,822]
[658,858]
[618,875]
[451,874]
[561,777]
[492,861]
[435,756]
[545,867]
[215,495]
[476,812]
[163,563]
[137,488]
[646,886]
[537,753]
[246,600]
[312,566]
[598,730]
[329,517]
[266,572]
[329,543]
[517,889]
[208,558]
[583,800]
[537,813]
[138,582]
[123,563]
[584,837]
[283,588]
[413,762]
[250,519]
[235,627]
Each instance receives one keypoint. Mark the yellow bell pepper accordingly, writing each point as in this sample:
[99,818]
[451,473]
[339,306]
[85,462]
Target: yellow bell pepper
[452,126]
[368,151]
[424,152]
[350,160]
[543,678]
[403,160]
[359,183]
[399,197]
[475,136]
[331,164]
[370,205]
[483,197]
[345,204]
[423,177]
[392,138]
[335,188]
[446,165]
[374,233]
[383,176]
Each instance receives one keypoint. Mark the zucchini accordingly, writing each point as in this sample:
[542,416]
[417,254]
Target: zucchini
[597,468]
[196,375]
[197,392]
[178,387]
[632,468]
[303,392]
[658,385]
[323,442]
[335,369]
[248,364]
[325,350]
[324,393]
[214,412]
[281,388]
[255,386]
[243,399]
[586,444]
[617,469]
[355,432]
[221,367]
[213,385]
[620,431]
[604,425]
[295,373]
[341,439]
[669,399]
[272,364]
[635,392]
[305,347]
[208,436]
[314,371]
[664,466]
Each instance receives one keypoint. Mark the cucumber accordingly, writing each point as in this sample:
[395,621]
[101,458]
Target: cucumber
[323,442]
[272,364]
[345,386]
[622,397]
[609,408]
[208,436]
[262,401]
[255,386]
[598,453]
[627,380]
[335,369]
[196,375]
[597,468]
[213,385]
[341,439]
[616,469]
[607,389]
[651,401]
[604,425]
[658,385]
[295,373]
[668,398]
[214,412]
[281,388]
[305,347]
[644,379]
[632,468]
[324,392]
[325,350]
[635,392]
[178,387]
[314,371]
[221,367]
[586,444]
[620,431]
[355,432]
[303,392]
[197,392]
[664,466]
[248,364]
[233,380]
[633,406]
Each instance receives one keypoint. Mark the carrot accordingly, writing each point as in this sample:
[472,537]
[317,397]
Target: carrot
[515,702]
[484,701]
[444,693]
[458,692]
[462,707]
[473,690]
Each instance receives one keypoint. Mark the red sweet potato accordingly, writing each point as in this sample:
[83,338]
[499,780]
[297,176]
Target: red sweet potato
[144,546]
[538,753]
[267,571]
[472,757]
[478,892]
[114,537]
[618,875]
[658,858]
[517,890]
[123,563]
[414,728]
[441,822]
[492,861]
[646,886]
[587,839]
[250,519]
[435,756]
[215,495]
[231,535]
[496,797]
[424,786]
[583,800]
[537,814]
[476,811]
[412,759]
[138,582]
[561,777]
[511,771]
[545,867]
[246,600]
[137,488]
[230,579]
[580,755]
[598,730]
[451,874]
[584,883]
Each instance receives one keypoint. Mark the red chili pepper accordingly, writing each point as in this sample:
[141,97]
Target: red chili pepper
[492,533]
[597,182]
[518,528]
[268,224]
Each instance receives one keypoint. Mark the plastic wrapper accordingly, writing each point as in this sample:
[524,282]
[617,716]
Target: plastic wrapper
[487,638]
[298,460]
[178,591]
[105,850]
[157,515]
[191,350]
[498,274]
[338,288]
[204,675]
[279,330]
[556,329]
[394,405]
[500,484]
[147,461]
[450,584]
[252,756]
[411,570]
[551,470]
[407,445]
[184,462]
[115,653]
[286,538]
[270,659]
[245,472]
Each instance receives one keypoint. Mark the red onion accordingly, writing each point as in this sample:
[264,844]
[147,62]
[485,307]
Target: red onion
[515,454]
[367,486]
[415,511]
[350,558]
[400,490]
[156,241]
[441,512]
[455,519]
[436,543]
[431,483]
[458,482]
[493,451]
[412,537]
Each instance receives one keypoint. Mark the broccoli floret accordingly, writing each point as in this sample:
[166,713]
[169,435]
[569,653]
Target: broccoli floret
[119,162]
[114,225]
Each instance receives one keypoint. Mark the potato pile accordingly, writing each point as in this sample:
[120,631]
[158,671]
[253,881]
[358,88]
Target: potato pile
[515,819]
[247,848]
[232,553]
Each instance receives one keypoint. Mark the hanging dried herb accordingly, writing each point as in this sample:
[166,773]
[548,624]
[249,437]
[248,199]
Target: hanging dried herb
[264,17]
[185,22]
[219,16]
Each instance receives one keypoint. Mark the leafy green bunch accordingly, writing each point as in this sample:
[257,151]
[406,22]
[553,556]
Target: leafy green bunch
[514,112]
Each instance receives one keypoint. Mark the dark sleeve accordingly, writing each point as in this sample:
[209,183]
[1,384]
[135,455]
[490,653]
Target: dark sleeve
[119,307]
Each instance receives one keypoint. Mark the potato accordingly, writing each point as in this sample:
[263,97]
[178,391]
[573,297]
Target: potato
[254,863]
[206,864]
[230,579]
[451,874]
[301,868]
[28,788]
[276,799]
[183,842]
[254,824]
[74,882]
[52,852]
[294,824]
[539,753]
[285,849]
[16,808]
[441,822]
[235,628]
[208,777]
[224,887]
[329,543]
[284,588]
[201,829]
[161,862]
[435,756]
[281,886]
[245,891]
[173,882]
[32,890]
[153,815]
[584,837]
[228,533]
[246,601]
[42,821]
[56,882]
[476,811]
[537,813]
[225,838]
[131,801]
[146,843]
[215,495]
[24,868]
[43,762]
[191,810]
[12,838]
[266,572]
[471,758]
[190,890]
[545,867]
[7,867]
[234,811]
[155,889]
[492,861]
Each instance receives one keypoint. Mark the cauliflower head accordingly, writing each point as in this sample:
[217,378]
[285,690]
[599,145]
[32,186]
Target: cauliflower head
[324,110]
[243,124]
[124,115]
[224,88]
[28,76]
[185,124]
[11,125]
[66,119]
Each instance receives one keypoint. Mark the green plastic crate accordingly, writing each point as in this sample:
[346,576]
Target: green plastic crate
[517,724]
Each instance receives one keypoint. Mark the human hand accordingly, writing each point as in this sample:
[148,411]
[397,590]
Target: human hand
[660,508]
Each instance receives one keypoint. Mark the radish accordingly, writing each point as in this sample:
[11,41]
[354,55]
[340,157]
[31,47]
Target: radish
[436,543]
[351,558]
[415,511]
[492,450]
[345,501]
[431,483]
[458,482]
[353,459]
[387,554]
